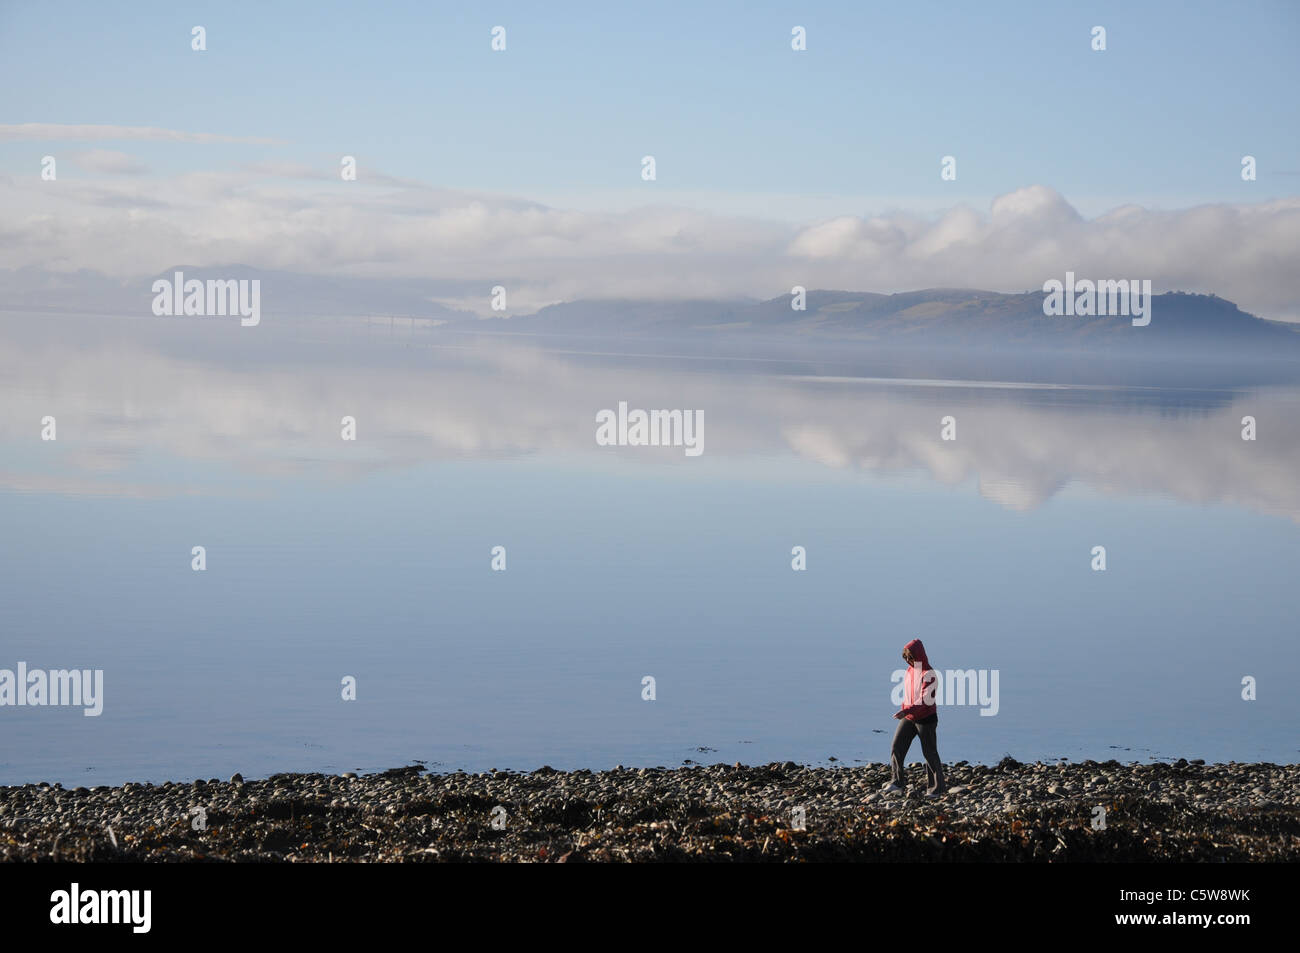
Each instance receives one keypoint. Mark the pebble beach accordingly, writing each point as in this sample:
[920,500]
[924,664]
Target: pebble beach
[1085,811]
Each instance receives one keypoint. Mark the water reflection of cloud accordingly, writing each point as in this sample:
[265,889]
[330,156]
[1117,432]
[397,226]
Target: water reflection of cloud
[129,403]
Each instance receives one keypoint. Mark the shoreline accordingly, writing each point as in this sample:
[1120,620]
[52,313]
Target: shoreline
[1084,811]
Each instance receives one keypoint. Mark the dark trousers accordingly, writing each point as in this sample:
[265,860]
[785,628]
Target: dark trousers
[927,728]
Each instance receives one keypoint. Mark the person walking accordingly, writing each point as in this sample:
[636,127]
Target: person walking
[918,716]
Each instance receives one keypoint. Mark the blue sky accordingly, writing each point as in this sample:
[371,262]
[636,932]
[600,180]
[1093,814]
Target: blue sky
[713,91]
[774,168]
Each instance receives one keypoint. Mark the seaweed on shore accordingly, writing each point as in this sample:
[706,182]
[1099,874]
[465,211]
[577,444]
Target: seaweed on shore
[1009,812]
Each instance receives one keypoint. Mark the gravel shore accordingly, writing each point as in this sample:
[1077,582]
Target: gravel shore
[1006,812]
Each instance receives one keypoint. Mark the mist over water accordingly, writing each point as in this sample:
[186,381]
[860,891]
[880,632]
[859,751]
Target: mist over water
[371,558]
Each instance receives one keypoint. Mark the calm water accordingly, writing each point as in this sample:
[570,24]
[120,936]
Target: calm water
[372,559]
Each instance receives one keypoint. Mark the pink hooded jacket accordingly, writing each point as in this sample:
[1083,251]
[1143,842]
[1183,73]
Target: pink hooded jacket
[918,686]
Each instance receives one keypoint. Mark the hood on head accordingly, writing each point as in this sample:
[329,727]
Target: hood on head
[918,652]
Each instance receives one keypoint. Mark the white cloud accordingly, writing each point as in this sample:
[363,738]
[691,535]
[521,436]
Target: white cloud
[109,161]
[301,218]
[13,132]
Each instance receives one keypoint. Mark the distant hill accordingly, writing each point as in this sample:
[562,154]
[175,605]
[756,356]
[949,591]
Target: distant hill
[939,317]
[949,319]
